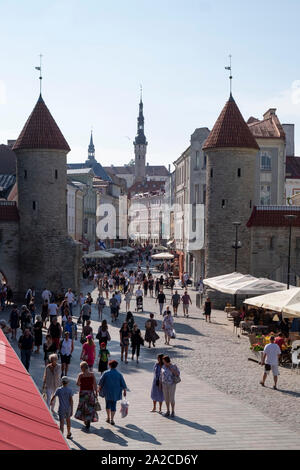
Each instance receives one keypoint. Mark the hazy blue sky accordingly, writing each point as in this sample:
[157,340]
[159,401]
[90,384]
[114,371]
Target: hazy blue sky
[96,53]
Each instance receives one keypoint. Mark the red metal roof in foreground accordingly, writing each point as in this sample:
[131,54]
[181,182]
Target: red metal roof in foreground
[25,421]
[274,216]
[41,131]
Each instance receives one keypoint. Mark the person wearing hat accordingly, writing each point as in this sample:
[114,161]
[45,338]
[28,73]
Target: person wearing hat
[103,357]
[65,410]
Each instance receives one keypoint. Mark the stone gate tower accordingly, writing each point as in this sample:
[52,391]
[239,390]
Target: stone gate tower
[48,257]
[230,175]
[140,147]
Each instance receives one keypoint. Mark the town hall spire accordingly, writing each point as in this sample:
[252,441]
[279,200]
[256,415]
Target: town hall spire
[91,149]
[140,145]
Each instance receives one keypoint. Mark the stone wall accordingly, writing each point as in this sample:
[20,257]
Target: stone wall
[269,253]
[9,253]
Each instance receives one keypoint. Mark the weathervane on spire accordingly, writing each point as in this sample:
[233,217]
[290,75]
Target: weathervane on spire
[141,92]
[230,76]
[40,69]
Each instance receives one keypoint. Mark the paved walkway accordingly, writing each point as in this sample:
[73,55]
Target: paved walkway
[206,418]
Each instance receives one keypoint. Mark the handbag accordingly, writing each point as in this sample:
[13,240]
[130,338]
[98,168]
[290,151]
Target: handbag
[97,406]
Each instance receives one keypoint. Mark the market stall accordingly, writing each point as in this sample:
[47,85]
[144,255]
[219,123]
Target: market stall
[279,308]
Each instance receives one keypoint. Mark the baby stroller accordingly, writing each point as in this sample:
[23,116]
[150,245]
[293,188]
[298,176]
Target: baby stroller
[139,304]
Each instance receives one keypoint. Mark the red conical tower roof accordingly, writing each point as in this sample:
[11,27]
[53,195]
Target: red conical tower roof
[41,131]
[230,130]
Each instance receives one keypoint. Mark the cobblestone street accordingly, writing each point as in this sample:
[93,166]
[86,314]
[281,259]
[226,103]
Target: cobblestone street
[219,403]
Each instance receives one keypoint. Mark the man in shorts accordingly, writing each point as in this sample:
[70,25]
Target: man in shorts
[65,410]
[86,312]
[186,301]
[270,360]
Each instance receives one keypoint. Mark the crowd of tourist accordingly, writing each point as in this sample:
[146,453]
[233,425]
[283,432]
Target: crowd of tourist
[51,325]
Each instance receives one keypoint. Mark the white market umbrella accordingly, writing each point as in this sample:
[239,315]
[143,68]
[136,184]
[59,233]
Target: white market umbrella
[163,256]
[276,301]
[100,254]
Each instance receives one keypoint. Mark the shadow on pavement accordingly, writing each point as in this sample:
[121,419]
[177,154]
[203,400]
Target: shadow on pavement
[109,436]
[134,432]
[197,426]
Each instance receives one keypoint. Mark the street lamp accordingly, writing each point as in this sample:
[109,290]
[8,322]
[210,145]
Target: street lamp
[236,244]
[290,218]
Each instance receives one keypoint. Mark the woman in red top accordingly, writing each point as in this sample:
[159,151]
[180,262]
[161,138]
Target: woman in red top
[87,395]
[88,352]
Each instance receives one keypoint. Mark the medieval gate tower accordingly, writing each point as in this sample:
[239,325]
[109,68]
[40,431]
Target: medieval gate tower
[231,155]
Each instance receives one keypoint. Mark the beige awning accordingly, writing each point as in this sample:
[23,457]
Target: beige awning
[99,254]
[283,301]
[243,284]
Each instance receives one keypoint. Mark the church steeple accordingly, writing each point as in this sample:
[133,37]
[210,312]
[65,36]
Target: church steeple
[140,146]
[140,138]
[91,150]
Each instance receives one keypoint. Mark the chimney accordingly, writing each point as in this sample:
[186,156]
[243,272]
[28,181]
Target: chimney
[289,130]
[269,113]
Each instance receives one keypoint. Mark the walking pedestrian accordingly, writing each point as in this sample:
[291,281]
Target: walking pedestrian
[38,333]
[45,312]
[88,353]
[100,304]
[65,409]
[70,298]
[150,334]
[111,386]
[169,377]
[186,301]
[66,348]
[156,390]
[124,341]
[136,341]
[103,358]
[26,345]
[113,303]
[51,379]
[103,333]
[168,326]
[128,297]
[86,312]
[175,301]
[14,321]
[55,331]
[49,348]
[87,396]
[207,309]
[270,360]
[161,299]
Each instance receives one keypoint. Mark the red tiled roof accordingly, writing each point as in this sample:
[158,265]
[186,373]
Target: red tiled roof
[273,216]
[230,130]
[146,187]
[8,211]
[292,169]
[269,127]
[41,131]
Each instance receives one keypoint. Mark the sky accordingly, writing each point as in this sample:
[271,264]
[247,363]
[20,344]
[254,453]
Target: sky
[96,54]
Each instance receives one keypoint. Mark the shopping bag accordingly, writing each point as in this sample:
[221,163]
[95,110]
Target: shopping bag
[124,408]
[173,334]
